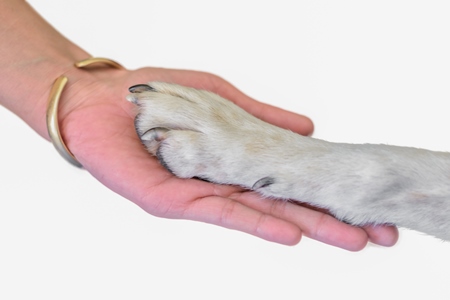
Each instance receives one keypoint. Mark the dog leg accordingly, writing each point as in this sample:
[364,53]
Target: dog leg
[196,133]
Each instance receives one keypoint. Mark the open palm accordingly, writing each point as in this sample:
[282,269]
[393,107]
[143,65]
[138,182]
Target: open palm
[97,125]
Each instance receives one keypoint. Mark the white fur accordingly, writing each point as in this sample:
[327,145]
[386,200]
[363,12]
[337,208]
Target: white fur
[196,133]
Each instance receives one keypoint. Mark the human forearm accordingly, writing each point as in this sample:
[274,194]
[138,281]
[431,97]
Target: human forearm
[32,55]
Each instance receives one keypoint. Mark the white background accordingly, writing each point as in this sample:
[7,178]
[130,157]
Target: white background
[364,71]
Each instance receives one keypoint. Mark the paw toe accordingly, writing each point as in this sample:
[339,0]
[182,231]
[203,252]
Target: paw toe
[155,134]
[152,138]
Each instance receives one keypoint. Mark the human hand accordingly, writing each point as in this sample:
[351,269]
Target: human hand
[97,125]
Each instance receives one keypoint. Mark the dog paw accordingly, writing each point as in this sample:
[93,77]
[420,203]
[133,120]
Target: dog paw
[196,133]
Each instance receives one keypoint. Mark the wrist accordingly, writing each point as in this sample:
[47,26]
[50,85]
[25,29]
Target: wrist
[52,115]
[25,88]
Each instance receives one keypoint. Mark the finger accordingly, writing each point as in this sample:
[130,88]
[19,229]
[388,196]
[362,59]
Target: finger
[282,118]
[231,214]
[314,224]
[271,114]
[383,235]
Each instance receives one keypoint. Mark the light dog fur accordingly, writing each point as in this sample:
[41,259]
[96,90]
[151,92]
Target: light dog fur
[196,133]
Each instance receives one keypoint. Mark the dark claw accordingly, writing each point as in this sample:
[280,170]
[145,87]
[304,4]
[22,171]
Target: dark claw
[263,182]
[139,88]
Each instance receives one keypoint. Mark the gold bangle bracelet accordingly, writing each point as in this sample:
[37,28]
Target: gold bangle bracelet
[52,109]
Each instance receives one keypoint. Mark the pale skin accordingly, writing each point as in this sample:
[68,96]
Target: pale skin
[97,125]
